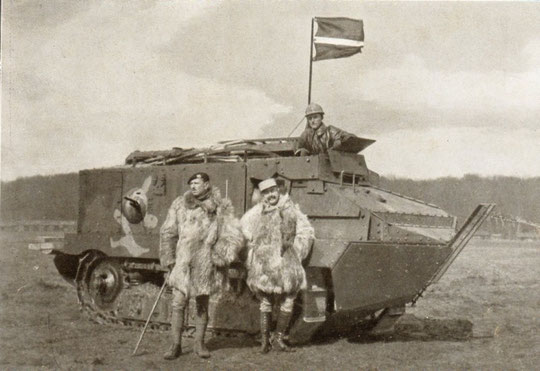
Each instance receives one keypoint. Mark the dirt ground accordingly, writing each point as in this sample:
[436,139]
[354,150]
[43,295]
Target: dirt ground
[493,285]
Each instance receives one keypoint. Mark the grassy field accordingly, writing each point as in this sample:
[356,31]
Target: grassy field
[492,285]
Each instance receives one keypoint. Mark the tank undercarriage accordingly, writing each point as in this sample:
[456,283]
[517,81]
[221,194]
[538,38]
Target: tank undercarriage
[121,292]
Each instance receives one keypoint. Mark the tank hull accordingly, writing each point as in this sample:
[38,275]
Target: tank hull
[366,278]
[374,249]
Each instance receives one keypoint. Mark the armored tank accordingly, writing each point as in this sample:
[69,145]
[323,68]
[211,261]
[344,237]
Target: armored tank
[375,251]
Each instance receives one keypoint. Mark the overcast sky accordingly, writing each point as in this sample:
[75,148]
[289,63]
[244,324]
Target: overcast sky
[444,88]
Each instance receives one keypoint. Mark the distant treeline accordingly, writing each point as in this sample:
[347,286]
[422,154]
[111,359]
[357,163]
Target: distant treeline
[55,197]
[515,197]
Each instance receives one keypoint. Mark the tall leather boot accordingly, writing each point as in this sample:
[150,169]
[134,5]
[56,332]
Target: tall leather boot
[282,324]
[201,321]
[265,332]
[177,325]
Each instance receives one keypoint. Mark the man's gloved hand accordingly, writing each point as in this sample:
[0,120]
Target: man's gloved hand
[337,144]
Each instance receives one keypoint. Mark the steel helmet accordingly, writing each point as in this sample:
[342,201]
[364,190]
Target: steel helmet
[134,206]
[314,108]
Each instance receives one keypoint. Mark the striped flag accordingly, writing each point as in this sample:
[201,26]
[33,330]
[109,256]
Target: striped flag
[338,37]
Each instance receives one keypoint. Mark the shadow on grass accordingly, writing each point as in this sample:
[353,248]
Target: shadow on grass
[408,328]
[412,328]
[241,341]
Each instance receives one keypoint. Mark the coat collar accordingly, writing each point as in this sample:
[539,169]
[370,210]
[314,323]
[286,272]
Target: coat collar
[321,130]
[209,204]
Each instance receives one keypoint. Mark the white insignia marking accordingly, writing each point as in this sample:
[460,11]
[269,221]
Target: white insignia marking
[150,221]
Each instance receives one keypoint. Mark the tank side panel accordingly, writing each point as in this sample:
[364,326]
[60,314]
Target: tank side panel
[341,229]
[288,167]
[104,226]
[374,275]
[327,204]
[380,201]
[155,188]
[100,193]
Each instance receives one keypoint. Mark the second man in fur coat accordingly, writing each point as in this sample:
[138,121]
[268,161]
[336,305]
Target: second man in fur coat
[279,237]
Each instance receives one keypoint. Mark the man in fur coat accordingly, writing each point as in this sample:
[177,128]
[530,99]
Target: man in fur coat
[198,239]
[279,238]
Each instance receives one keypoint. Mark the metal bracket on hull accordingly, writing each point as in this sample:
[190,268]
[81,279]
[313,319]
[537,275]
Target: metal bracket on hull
[460,240]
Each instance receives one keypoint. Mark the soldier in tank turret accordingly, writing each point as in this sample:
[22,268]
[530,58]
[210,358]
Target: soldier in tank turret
[279,237]
[318,137]
[198,239]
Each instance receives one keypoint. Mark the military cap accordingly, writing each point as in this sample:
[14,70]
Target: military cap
[203,176]
[267,183]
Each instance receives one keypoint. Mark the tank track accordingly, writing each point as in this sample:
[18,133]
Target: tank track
[130,307]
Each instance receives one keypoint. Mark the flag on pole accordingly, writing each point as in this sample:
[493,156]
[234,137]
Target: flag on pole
[338,37]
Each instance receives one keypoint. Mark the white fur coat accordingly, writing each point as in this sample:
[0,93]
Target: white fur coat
[278,238]
[201,238]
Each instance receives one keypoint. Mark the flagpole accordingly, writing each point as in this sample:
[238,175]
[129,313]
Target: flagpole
[310,60]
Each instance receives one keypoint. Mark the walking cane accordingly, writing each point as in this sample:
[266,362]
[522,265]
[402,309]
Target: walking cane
[150,315]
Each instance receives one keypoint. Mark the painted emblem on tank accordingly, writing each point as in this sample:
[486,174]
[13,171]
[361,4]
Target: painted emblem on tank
[134,210]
